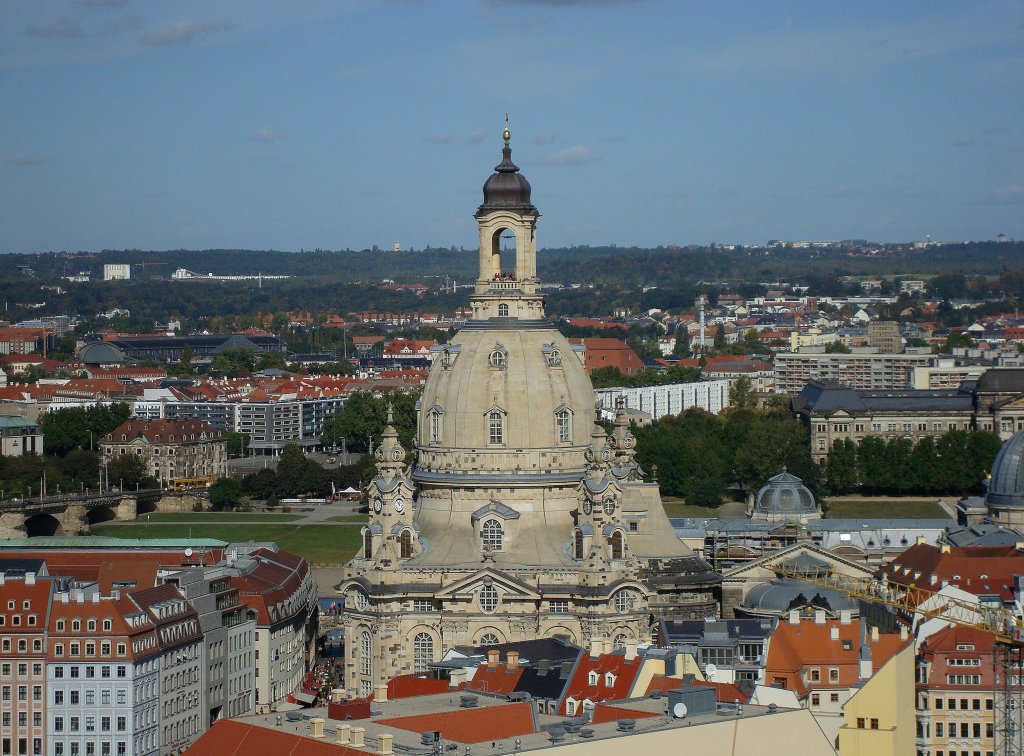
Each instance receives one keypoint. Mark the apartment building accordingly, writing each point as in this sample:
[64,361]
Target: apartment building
[956,693]
[667,399]
[24,606]
[867,371]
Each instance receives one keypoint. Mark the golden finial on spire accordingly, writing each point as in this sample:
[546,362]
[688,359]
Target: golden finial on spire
[507,134]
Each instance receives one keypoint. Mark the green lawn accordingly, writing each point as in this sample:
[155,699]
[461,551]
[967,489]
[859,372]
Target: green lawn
[214,517]
[319,544]
[886,509]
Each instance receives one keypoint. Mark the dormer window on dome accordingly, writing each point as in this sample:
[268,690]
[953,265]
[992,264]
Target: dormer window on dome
[498,358]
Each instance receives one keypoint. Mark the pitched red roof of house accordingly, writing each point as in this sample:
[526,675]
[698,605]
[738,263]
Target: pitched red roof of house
[236,737]
[162,431]
[796,648]
[623,673]
[473,725]
[499,680]
[979,570]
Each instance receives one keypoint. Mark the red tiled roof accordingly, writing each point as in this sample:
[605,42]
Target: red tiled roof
[162,431]
[606,713]
[410,686]
[979,570]
[236,737]
[624,673]
[499,680]
[473,725]
[724,692]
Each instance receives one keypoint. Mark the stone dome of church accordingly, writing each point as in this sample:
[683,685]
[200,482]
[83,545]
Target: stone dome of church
[782,595]
[1006,489]
[784,496]
[507,188]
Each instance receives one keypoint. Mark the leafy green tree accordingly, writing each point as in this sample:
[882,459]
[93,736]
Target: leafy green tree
[841,466]
[233,363]
[225,494]
[682,345]
[837,347]
[67,429]
[186,360]
[364,416]
[237,443]
[956,341]
[774,442]
[719,341]
[899,476]
[926,468]
[741,394]
[129,471]
[872,465]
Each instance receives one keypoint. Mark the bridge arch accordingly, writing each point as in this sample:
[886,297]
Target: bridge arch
[145,505]
[100,514]
[43,524]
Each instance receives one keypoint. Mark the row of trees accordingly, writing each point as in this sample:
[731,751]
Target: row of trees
[700,456]
[81,427]
[957,462]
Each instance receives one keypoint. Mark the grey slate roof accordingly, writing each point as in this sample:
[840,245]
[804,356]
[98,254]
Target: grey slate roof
[827,397]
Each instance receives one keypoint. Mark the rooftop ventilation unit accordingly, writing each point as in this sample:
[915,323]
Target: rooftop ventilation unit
[468,702]
[626,725]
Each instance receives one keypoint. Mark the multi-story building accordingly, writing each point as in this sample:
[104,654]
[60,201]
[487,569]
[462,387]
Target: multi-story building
[956,693]
[24,606]
[103,674]
[169,448]
[117,272]
[832,412]
[127,349]
[666,399]
[19,436]
[280,592]
[884,335]
[867,371]
[727,650]
[229,633]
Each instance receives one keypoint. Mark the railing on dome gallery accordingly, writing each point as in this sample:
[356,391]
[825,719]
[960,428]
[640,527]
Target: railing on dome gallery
[505,284]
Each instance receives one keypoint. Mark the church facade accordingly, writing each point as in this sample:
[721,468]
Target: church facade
[521,517]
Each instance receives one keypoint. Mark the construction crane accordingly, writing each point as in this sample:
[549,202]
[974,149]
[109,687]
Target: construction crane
[912,600]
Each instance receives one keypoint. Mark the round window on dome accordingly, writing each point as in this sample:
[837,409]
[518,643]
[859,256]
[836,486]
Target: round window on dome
[498,359]
[625,600]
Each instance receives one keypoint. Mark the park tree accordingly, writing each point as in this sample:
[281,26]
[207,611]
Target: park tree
[872,464]
[237,443]
[773,442]
[225,494]
[837,347]
[741,394]
[233,363]
[128,471]
[67,429]
[682,345]
[841,466]
[364,416]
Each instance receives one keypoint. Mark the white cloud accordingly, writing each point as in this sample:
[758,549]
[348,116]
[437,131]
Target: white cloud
[183,32]
[268,135]
[576,155]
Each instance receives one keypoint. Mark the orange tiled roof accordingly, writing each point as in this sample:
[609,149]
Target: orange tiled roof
[976,569]
[236,737]
[473,725]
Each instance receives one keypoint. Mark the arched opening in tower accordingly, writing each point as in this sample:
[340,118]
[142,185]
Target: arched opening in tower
[503,255]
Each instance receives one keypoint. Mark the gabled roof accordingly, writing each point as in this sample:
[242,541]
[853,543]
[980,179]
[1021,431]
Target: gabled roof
[980,570]
[623,674]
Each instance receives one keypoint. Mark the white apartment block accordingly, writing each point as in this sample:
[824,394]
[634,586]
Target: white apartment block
[668,399]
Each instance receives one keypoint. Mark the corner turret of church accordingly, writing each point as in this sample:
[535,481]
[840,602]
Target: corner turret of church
[391,535]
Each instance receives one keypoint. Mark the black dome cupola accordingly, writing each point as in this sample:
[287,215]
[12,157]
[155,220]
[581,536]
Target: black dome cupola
[507,188]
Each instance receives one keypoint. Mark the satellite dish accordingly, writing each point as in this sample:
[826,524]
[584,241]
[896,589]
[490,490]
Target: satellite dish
[188,552]
[710,669]
[679,710]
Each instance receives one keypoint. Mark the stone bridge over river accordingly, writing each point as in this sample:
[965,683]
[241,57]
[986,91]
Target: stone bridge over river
[73,514]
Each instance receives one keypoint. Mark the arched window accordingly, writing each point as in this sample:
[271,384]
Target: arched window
[489,598]
[365,653]
[503,311]
[498,359]
[579,544]
[617,545]
[489,639]
[619,641]
[435,427]
[624,601]
[563,426]
[405,541]
[492,535]
[367,544]
[495,428]
[422,652]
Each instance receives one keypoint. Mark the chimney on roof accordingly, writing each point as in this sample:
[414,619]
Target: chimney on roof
[864,666]
[874,634]
[384,741]
[30,578]
[631,650]
[1019,545]
[903,632]
[845,616]
[794,617]
[819,616]
[380,693]
[492,658]
[512,660]
[596,647]
[921,540]
[944,548]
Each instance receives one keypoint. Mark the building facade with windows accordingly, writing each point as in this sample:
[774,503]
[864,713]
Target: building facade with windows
[869,372]
[169,448]
[24,607]
[522,518]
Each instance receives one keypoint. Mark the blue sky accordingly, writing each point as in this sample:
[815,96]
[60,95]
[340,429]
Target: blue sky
[334,123]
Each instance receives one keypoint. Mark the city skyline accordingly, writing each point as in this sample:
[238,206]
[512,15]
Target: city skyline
[221,124]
